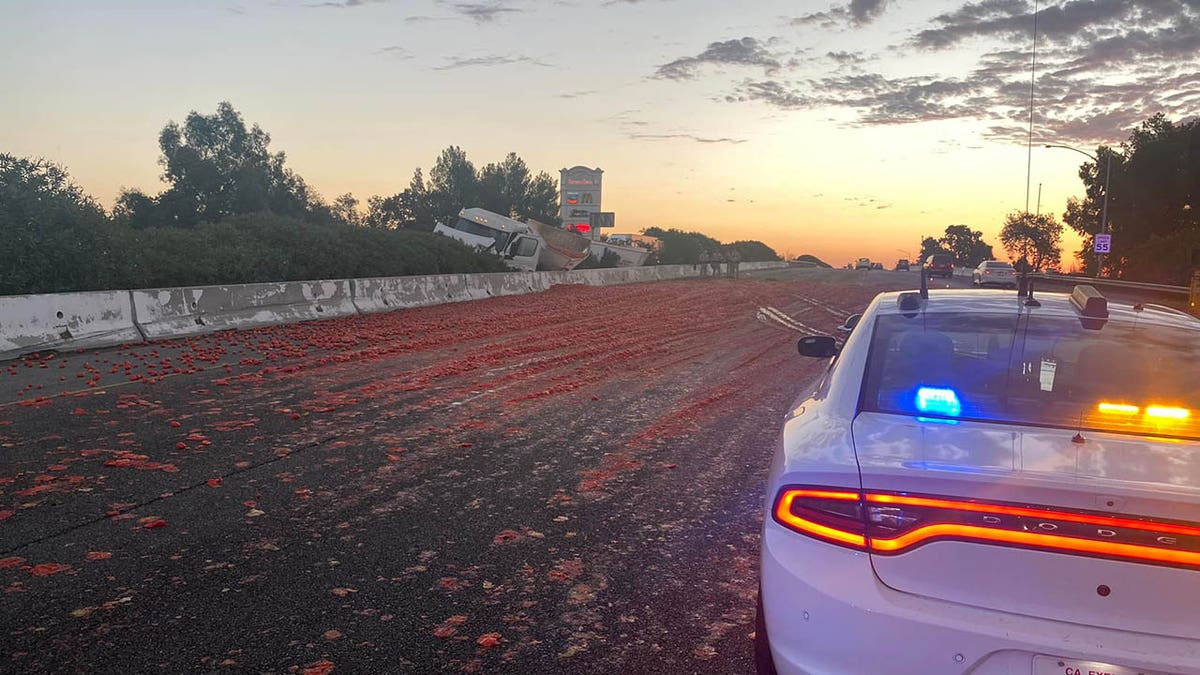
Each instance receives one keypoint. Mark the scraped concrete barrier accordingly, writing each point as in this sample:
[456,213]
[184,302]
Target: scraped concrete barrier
[383,294]
[32,323]
[174,312]
[765,265]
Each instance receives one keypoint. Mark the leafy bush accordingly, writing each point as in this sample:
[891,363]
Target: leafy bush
[814,260]
[754,251]
[265,247]
[682,248]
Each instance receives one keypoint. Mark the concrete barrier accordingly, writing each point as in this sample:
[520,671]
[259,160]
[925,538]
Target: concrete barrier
[765,265]
[80,320]
[173,312]
[31,323]
[384,294]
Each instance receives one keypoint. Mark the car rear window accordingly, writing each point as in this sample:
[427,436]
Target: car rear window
[939,259]
[996,264]
[1141,378]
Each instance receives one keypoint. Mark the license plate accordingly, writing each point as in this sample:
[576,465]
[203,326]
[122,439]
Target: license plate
[1049,665]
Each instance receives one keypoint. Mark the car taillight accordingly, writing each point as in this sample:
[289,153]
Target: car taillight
[891,524]
[832,515]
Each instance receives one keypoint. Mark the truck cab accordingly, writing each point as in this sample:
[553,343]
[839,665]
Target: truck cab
[510,239]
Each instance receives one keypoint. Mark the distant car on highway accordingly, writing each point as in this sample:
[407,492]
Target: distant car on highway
[1010,491]
[902,265]
[876,265]
[938,265]
[863,264]
[994,272]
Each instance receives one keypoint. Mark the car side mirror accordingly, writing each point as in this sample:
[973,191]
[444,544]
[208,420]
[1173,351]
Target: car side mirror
[849,324]
[817,346]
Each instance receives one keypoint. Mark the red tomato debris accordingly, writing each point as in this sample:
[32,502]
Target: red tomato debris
[47,569]
[488,640]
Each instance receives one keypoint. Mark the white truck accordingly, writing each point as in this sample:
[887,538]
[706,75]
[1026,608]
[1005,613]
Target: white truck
[526,246]
[631,256]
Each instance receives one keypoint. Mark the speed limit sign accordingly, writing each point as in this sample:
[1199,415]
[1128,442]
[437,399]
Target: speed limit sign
[1103,243]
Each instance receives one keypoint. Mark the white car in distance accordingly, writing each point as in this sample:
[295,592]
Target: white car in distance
[994,273]
[984,483]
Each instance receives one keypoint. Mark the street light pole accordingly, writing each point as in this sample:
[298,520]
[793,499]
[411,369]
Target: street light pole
[1104,212]
[1104,209]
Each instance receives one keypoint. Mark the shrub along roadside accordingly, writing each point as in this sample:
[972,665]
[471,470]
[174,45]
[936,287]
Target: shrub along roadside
[264,247]
[55,238]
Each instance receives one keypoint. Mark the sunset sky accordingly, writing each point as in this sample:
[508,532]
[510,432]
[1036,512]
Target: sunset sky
[838,129]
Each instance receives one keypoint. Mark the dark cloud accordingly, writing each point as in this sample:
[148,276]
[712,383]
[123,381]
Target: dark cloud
[855,13]
[1103,67]
[395,51]
[489,61]
[778,94]
[482,12]
[744,52]
[690,137]
[847,58]
[345,4]
[1070,22]
[865,11]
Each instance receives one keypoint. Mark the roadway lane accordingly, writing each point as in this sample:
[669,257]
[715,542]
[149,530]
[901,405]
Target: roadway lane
[563,482]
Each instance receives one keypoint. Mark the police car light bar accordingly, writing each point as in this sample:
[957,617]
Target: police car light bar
[1089,302]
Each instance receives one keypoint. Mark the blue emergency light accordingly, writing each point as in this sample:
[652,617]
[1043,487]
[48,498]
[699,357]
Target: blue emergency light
[938,401]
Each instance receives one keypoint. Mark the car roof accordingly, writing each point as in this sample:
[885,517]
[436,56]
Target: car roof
[955,300]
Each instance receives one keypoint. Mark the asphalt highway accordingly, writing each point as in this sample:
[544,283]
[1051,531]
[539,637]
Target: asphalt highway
[562,482]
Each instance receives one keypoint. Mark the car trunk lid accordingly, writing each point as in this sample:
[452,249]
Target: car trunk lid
[1031,521]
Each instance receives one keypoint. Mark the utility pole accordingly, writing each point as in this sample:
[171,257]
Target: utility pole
[1104,211]
[1032,81]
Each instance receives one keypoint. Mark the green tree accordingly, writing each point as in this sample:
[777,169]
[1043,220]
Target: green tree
[55,237]
[412,209]
[453,184]
[754,251]
[1153,199]
[136,209]
[541,199]
[931,246]
[682,248]
[216,167]
[966,245]
[1032,240]
[504,187]
[345,210]
[814,260]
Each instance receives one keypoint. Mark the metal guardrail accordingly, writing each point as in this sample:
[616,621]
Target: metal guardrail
[1115,283]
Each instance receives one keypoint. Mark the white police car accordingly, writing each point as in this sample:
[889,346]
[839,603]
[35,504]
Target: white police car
[980,483]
